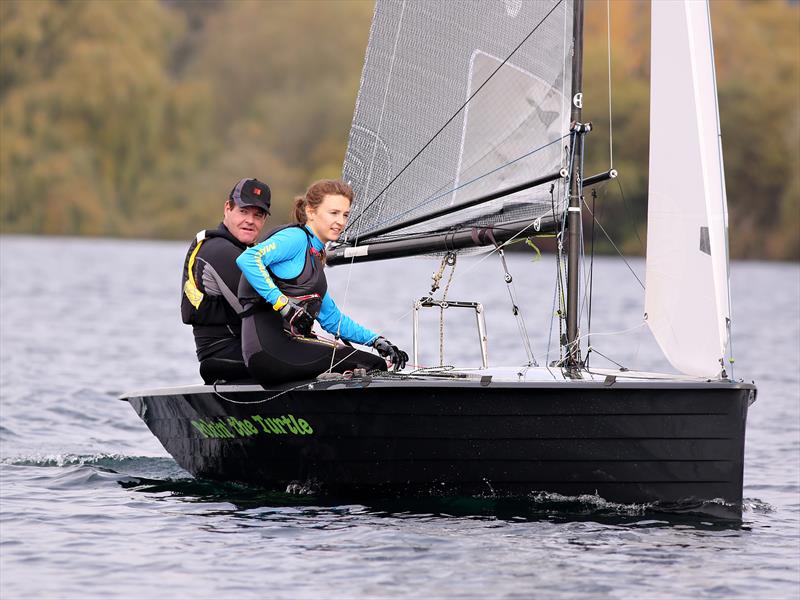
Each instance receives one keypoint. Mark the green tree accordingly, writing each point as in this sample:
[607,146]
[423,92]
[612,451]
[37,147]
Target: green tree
[135,117]
[90,117]
[757,52]
[284,77]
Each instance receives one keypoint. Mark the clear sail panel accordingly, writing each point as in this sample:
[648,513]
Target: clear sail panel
[459,100]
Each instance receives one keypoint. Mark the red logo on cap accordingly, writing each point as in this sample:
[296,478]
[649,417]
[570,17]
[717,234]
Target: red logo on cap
[257,191]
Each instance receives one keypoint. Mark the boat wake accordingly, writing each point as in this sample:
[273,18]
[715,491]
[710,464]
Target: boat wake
[755,505]
[160,475]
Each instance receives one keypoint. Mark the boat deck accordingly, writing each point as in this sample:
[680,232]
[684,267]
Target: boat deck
[527,377]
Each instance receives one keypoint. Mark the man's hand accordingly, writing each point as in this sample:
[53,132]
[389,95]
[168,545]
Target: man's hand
[397,358]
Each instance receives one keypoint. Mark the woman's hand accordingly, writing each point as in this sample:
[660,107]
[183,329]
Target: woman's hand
[300,321]
[397,358]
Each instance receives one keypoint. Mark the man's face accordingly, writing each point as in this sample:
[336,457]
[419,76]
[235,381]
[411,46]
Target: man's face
[244,222]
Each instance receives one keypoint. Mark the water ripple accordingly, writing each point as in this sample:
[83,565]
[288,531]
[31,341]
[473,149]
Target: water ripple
[92,507]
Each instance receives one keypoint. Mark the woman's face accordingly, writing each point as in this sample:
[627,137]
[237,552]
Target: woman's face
[327,221]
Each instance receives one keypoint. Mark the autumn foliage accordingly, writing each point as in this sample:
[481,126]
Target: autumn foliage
[135,117]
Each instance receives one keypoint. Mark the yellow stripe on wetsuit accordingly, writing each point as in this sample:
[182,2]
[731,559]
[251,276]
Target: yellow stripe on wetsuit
[194,295]
[282,300]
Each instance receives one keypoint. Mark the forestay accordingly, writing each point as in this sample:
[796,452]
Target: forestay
[687,299]
[512,61]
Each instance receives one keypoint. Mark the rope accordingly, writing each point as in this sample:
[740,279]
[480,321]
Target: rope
[437,277]
[450,258]
[232,401]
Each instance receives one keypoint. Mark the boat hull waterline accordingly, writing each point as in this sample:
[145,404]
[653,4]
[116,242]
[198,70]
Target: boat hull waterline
[662,443]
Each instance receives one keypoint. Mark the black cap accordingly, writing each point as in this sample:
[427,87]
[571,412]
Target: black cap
[251,192]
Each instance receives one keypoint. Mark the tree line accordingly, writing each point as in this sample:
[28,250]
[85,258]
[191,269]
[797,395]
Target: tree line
[135,117]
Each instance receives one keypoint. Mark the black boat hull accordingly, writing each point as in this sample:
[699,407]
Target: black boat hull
[665,443]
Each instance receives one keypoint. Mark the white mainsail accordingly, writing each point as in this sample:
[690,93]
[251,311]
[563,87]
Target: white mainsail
[687,302]
[458,100]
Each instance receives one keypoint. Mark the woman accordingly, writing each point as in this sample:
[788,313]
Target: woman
[284,290]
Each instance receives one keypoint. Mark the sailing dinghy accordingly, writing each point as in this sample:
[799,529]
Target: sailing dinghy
[467,134]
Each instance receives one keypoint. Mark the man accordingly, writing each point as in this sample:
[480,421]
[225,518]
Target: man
[211,277]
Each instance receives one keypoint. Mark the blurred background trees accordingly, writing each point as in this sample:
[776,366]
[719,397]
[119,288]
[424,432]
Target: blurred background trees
[135,117]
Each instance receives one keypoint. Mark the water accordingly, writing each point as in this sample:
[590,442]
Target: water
[92,507]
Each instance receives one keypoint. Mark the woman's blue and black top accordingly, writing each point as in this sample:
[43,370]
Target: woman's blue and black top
[283,255]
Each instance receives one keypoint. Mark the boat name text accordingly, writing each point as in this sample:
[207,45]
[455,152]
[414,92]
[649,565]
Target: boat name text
[231,427]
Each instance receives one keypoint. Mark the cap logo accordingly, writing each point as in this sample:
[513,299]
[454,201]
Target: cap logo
[257,191]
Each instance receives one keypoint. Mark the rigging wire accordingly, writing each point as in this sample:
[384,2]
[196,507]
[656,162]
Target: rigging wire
[729,319]
[475,265]
[512,293]
[619,332]
[594,191]
[608,358]
[611,241]
[564,305]
[610,120]
[560,285]
[629,212]
[591,284]
[556,288]
[435,135]
[466,183]
[585,300]
[352,223]
[341,317]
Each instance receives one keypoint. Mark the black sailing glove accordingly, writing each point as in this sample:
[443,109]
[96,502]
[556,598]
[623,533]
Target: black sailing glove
[300,322]
[397,358]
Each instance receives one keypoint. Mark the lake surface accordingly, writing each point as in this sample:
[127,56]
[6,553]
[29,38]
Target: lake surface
[91,506]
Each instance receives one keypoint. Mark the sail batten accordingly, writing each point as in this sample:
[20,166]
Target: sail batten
[687,297]
[458,99]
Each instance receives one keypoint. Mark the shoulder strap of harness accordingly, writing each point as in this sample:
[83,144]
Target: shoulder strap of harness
[193,293]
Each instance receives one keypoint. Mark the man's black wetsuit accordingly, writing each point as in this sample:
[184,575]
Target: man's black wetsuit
[208,299]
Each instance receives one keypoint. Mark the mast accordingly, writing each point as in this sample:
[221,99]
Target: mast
[575,190]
